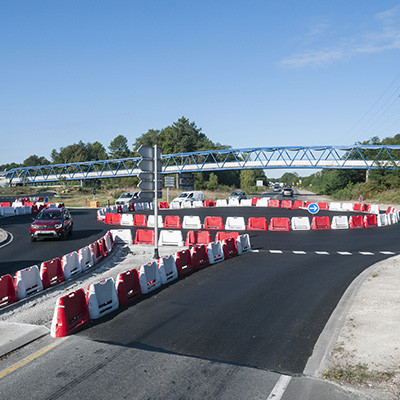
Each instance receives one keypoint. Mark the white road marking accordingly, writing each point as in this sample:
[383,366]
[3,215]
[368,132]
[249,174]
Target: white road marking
[276,251]
[344,253]
[299,252]
[325,253]
[366,253]
[280,387]
[387,252]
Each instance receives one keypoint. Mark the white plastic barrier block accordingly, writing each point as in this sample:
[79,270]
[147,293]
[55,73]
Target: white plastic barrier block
[374,209]
[243,243]
[27,281]
[333,206]
[71,265]
[187,204]
[174,205]
[127,219]
[149,277]
[139,207]
[114,209]
[101,214]
[245,203]
[340,222]
[107,241]
[263,202]
[27,209]
[125,208]
[122,236]
[167,269]
[150,221]
[147,206]
[102,298]
[191,222]
[215,252]
[300,224]
[16,204]
[235,224]
[347,206]
[382,219]
[234,202]
[19,210]
[85,258]
[171,238]
[197,204]
[7,211]
[221,203]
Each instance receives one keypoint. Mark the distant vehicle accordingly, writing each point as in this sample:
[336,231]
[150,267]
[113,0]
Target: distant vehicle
[127,198]
[51,222]
[189,197]
[277,187]
[287,192]
[238,194]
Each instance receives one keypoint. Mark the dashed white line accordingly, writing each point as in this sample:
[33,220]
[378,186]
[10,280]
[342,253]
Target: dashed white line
[324,253]
[276,251]
[280,387]
[299,252]
[344,253]
[366,253]
[387,252]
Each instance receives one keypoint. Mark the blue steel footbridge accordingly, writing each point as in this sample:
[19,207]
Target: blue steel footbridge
[294,157]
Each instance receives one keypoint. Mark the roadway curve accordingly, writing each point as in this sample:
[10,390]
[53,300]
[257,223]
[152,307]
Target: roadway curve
[220,332]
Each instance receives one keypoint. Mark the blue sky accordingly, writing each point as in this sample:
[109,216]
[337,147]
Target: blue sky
[249,73]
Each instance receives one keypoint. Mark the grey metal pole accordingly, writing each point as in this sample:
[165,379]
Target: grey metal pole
[156,255]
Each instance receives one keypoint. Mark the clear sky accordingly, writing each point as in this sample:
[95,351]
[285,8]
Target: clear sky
[249,73]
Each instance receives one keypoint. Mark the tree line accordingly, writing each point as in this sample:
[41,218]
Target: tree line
[181,136]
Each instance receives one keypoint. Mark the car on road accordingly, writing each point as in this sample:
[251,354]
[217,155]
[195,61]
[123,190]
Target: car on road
[128,198]
[188,197]
[287,192]
[238,194]
[277,187]
[51,222]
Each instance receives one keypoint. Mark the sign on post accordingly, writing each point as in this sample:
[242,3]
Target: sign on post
[147,165]
[313,208]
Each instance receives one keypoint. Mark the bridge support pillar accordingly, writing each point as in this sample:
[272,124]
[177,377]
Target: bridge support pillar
[367,176]
[82,183]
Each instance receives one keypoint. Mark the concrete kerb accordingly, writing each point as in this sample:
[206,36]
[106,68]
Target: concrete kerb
[319,361]
[5,237]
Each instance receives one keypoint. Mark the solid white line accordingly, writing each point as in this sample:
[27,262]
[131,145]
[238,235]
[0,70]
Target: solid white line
[279,388]
[276,251]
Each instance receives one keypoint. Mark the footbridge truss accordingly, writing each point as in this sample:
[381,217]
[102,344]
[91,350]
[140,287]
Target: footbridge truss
[315,157]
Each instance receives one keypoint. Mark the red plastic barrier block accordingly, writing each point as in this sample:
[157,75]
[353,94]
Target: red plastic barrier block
[220,236]
[308,203]
[367,208]
[370,221]
[71,314]
[140,220]
[128,287]
[111,239]
[166,205]
[213,223]
[254,200]
[356,221]
[257,224]
[287,204]
[183,262]
[357,207]
[297,204]
[320,223]
[5,204]
[112,219]
[8,294]
[229,247]
[274,203]
[200,257]
[279,224]
[131,207]
[209,203]
[51,272]
[144,236]
[96,252]
[323,205]
[172,222]
[108,218]
[197,237]
[103,247]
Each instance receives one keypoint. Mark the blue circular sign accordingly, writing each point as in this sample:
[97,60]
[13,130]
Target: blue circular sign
[46,199]
[313,208]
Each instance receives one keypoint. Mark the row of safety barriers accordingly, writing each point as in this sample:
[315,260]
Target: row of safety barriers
[254,223]
[8,209]
[74,310]
[33,279]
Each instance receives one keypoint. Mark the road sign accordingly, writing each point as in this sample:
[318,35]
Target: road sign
[169,181]
[148,165]
[149,185]
[313,208]
[148,152]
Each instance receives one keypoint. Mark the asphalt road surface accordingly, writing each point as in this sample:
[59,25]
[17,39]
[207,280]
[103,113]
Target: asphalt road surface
[227,331]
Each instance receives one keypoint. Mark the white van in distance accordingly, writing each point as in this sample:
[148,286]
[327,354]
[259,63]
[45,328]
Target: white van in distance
[189,196]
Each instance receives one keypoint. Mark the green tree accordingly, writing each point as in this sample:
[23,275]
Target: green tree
[247,178]
[96,152]
[150,138]
[118,148]
[212,183]
[35,160]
